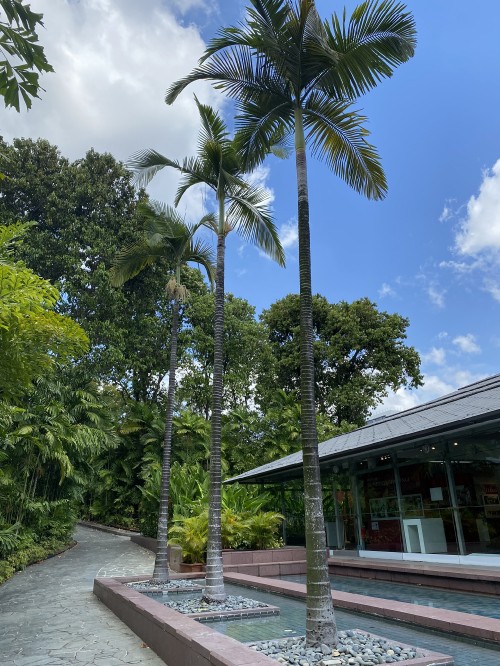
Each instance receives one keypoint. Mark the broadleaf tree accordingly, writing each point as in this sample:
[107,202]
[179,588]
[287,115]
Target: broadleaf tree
[84,211]
[359,354]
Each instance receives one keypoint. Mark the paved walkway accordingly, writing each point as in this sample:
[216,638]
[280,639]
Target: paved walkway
[49,616]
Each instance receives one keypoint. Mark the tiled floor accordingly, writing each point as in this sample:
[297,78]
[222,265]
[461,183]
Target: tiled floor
[291,622]
[422,596]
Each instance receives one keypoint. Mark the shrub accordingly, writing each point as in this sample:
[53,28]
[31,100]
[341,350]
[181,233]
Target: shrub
[191,534]
[261,530]
[28,553]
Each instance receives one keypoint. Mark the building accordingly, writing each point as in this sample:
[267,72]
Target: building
[423,483]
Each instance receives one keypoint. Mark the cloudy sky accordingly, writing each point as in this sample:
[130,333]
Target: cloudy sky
[430,251]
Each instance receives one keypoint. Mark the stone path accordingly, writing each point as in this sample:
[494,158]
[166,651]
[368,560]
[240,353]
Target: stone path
[49,616]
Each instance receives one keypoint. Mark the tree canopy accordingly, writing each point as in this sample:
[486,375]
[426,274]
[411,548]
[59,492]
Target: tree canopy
[33,337]
[85,210]
[359,354]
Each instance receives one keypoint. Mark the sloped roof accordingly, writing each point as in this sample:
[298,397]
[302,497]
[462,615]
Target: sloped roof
[475,402]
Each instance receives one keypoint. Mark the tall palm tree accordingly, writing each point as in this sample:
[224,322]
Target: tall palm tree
[166,236]
[290,71]
[241,206]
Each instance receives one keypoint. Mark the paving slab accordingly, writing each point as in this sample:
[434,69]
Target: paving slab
[49,616]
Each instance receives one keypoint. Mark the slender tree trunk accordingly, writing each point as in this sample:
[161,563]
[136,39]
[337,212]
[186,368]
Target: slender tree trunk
[161,569]
[320,622]
[214,589]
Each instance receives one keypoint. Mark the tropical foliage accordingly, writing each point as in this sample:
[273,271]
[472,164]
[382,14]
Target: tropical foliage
[18,40]
[220,168]
[49,429]
[166,237]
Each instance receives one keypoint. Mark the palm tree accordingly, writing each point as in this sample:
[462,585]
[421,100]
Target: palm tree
[166,236]
[290,71]
[241,206]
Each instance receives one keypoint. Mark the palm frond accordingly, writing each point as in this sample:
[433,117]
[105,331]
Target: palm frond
[165,236]
[338,136]
[233,72]
[249,212]
[213,128]
[378,37]
[145,164]
[200,252]
[262,128]
[130,261]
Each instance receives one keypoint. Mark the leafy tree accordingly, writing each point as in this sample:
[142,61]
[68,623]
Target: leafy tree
[359,353]
[18,38]
[242,206]
[294,74]
[84,211]
[32,336]
[241,331]
[166,236]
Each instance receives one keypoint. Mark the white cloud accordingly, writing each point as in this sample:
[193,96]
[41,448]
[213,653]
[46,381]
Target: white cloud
[447,212]
[436,295]
[436,356]
[289,234]
[113,61]
[493,288]
[467,344]
[442,335]
[185,6]
[480,231]
[386,290]
[259,177]
[435,386]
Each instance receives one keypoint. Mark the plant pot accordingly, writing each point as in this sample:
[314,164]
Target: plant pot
[191,568]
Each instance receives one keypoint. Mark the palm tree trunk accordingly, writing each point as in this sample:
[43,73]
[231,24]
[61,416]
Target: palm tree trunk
[214,589]
[161,569]
[320,621]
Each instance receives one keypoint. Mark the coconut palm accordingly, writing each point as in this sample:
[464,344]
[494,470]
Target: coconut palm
[241,206]
[290,71]
[166,236]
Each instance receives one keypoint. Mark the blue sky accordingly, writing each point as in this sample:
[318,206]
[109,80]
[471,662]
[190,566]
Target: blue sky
[430,251]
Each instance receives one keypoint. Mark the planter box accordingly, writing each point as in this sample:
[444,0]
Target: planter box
[174,552]
[237,557]
[181,641]
[185,567]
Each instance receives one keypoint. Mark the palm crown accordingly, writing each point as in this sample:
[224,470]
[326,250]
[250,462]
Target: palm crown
[219,166]
[165,236]
[284,58]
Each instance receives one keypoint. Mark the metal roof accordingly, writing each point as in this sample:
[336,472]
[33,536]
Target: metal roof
[474,403]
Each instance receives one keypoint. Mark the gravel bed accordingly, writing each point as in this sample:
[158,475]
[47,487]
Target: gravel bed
[354,649]
[159,587]
[198,605]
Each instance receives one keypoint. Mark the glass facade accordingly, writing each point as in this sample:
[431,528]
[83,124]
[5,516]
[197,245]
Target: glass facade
[440,497]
